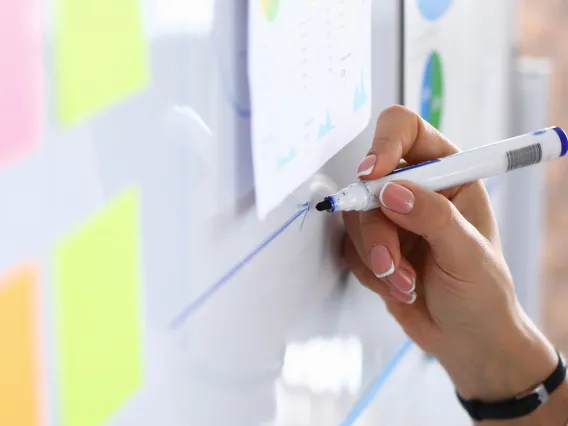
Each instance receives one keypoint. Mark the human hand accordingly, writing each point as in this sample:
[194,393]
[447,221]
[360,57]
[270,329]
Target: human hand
[436,260]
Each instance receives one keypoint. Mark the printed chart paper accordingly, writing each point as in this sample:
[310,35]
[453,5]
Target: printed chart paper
[101,55]
[310,83]
[19,366]
[454,73]
[20,78]
[99,314]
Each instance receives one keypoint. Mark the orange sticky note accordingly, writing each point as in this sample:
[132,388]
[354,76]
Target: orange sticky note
[19,401]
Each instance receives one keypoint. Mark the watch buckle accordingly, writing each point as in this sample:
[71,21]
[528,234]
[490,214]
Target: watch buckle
[542,393]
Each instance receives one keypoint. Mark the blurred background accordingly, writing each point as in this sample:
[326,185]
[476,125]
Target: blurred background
[542,29]
[138,284]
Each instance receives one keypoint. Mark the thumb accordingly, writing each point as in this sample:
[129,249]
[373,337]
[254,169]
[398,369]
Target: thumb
[456,245]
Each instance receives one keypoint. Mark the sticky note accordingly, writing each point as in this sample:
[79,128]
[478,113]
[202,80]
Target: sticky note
[19,368]
[100,55]
[99,316]
[20,79]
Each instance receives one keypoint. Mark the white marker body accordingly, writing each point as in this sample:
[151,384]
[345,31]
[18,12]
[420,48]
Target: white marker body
[467,166]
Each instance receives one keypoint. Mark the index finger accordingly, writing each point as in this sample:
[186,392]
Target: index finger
[402,134]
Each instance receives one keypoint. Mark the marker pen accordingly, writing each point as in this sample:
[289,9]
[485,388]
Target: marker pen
[457,169]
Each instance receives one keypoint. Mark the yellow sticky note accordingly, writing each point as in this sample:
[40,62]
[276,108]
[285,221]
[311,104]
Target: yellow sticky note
[101,55]
[19,369]
[99,314]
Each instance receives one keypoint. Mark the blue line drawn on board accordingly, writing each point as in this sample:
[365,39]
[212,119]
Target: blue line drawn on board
[186,312]
[303,206]
[282,160]
[380,381]
[363,403]
[326,127]
[360,97]
[433,9]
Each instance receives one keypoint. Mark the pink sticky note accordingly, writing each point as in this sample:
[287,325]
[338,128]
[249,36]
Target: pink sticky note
[20,78]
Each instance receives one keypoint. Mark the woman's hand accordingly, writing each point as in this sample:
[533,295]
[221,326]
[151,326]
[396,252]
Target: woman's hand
[435,258]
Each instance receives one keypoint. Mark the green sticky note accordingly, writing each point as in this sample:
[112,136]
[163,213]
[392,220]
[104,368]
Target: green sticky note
[101,55]
[99,314]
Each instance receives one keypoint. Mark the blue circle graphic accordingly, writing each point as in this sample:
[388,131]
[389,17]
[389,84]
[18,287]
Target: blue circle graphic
[433,9]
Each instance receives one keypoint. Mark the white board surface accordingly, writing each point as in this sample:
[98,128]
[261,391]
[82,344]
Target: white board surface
[224,294]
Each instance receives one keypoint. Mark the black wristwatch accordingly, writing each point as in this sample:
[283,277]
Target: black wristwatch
[518,406]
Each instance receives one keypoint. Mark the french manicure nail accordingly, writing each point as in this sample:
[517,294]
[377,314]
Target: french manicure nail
[403,280]
[407,299]
[381,261]
[366,166]
[397,198]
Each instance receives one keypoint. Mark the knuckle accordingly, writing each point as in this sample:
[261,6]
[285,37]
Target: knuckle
[369,234]
[377,286]
[347,246]
[348,252]
[365,277]
[351,222]
[355,264]
[443,217]
[395,111]
[372,225]
[361,275]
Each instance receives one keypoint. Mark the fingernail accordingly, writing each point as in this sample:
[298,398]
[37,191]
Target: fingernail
[396,198]
[403,280]
[381,261]
[366,166]
[407,299]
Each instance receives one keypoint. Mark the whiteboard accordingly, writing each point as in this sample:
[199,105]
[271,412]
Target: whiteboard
[457,56]
[231,309]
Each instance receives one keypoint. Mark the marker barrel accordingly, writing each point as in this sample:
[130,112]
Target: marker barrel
[457,169]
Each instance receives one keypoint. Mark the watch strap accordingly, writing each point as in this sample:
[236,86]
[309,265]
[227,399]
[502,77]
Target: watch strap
[521,405]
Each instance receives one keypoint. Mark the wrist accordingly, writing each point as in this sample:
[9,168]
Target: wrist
[515,361]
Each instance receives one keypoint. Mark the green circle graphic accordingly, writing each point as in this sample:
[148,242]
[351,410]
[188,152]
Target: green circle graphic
[270,8]
[432,95]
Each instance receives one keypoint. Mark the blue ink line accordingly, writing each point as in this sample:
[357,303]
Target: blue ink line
[303,206]
[207,294]
[378,383]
